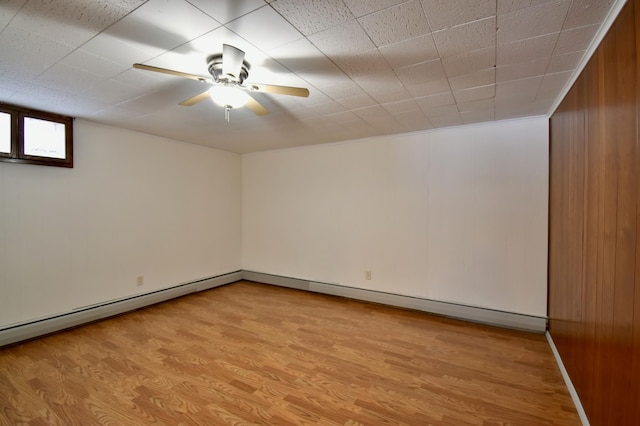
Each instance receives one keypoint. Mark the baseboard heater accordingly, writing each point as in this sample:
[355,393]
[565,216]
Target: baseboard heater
[464,312]
[29,330]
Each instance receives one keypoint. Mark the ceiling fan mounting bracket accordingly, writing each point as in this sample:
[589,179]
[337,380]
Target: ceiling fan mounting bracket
[214,65]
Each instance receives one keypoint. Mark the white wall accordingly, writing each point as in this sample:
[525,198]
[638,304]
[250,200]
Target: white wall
[134,204]
[456,215]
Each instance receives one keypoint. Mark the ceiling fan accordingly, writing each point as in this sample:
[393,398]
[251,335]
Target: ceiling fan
[229,71]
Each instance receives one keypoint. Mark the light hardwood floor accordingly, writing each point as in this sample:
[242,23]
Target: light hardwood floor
[250,353]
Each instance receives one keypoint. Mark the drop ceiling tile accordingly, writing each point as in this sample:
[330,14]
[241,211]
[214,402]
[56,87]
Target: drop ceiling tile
[524,90]
[575,39]
[476,106]
[169,95]
[469,62]
[400,107]
[358,101]
[444,116]
[506,6]
[82,60]
[412,121]
[330,107]
[63,32]
[362,63]
[25,54]
[397,23]
[301,55]
[310,16]
[566,62]
[478,116]
[411,51]
[587,12]
[475,79]
[67,79]
[144,80]
[522,70]
[475,94]
[228,10]
[265,29]
[442,99]
[532,22]
[340,89]
[433,87]
[446,14]
[376,116]
[343,40]
[526,50]
[115,92]
[73,22]
[160,25]
[344,118]
[463,38]
[115,50]
[512,110]
[383,87]
[554,83]
[56,101]
[8,11]
[361,8]
[9,86]
[421,73]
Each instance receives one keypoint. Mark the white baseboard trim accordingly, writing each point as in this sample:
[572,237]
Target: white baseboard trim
[464,312]
[567,381]
[29,330]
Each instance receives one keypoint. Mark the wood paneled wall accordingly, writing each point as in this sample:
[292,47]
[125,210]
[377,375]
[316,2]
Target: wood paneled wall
[594,228]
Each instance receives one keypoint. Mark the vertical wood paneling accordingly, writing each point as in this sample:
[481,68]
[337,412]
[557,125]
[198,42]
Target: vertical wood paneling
[594,248]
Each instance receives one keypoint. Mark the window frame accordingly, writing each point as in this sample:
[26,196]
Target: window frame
[17,155]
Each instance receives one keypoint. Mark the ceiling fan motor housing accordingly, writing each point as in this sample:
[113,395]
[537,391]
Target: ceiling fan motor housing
[214,64]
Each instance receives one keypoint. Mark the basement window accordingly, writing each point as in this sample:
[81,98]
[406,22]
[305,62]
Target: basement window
[35,137]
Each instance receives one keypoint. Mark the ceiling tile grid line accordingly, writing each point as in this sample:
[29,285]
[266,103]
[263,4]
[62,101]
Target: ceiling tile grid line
[372,68]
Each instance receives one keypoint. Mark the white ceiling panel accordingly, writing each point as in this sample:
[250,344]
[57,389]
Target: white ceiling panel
[161,25]
[587,12]
[371,67]
[575,39]
[265,28]
[421,73]
[397,23]
[507,6]
[522,70]
[450,13]
[343,40]
[475,94]
[526,50]
[475,79]
[310,16]
[410,51]
[226,11]
[8,10]
[442,99]
[566,62]
[361,8]
[532,22]
[465,38]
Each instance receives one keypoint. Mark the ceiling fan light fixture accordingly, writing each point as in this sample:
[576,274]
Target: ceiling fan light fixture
[228,96]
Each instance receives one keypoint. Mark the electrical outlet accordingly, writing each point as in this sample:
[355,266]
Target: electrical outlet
[140,280]
[367,275]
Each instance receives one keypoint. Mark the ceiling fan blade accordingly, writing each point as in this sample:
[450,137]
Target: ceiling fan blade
[279,90]
[195,99]
[256,107]
[232,59]
[171,72]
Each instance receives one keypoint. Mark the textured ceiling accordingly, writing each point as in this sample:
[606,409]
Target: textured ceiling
[372,67]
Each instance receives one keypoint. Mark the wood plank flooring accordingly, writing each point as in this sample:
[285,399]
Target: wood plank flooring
[249,353]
